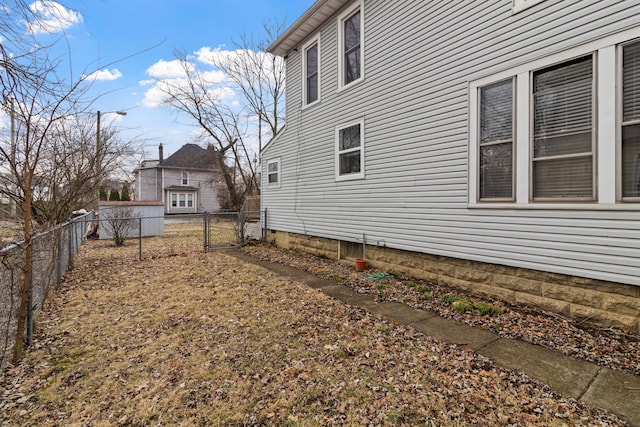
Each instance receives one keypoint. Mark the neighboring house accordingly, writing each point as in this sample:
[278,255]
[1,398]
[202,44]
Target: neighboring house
[492,146]
[185,181]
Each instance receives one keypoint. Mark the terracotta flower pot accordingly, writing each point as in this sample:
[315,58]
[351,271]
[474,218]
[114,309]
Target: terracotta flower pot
[361,264]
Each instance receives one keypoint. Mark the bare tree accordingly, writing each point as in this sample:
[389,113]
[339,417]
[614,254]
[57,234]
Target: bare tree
[45,161]
[259,79]
[260,76]
[196,96]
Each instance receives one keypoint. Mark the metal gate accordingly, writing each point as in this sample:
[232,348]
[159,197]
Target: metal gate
[224,230]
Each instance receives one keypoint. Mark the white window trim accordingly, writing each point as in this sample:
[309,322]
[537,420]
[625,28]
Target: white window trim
[607,123]
[520,5]
[341,18]
[310,43]
[274,184]
[186,195]
[351,176]
[182,175]
[619,120]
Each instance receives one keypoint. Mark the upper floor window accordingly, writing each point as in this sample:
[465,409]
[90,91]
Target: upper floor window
[273,173]
[351,43]
[311,68]
[185,178]
[496,141]
[563,131]
[350,151]
[630,138]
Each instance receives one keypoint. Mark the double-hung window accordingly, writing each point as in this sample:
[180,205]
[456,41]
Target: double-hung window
[563,131]
[351,44]
[273,173]
[350,151]
[185,178]
[558,130]
[496,153]
[630,133]
[311,69]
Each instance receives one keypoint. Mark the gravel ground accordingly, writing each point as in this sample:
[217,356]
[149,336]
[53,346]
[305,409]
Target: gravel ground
[608,347]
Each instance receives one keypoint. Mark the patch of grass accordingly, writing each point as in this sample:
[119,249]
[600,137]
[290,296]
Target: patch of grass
[409,283]
[427,296]
[486,309]
[422,288]
[462,306]
[338,279]
[382,286]
[449,298]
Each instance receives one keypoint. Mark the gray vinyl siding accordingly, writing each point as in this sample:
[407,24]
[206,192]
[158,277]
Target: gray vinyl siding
[419,59]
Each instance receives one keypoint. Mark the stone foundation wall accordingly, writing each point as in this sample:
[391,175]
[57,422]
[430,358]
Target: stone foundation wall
[597,302]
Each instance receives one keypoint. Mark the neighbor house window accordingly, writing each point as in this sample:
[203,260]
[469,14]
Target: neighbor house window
[563,131]
[630,150]
[273,173]
[496,153]
[351,42]
[311,67]
[350,151]
[185,178]
[182,200]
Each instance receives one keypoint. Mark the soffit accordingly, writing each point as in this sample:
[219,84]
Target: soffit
[307,24]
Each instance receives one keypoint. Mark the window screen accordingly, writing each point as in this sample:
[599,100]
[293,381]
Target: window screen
[563,131]
[631,120]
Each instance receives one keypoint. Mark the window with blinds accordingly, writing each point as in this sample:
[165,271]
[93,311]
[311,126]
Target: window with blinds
[630,150]
[496,141]
[563,131]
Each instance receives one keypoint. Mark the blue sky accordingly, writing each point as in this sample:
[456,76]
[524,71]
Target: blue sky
[126,39]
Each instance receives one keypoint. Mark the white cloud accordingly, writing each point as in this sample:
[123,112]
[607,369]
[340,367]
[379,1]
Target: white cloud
[167,69]
[167,74]
[157,94]
[153,97]
[51,17]
[105,75]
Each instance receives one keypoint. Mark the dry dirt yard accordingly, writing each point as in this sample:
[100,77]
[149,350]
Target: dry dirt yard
[195,339]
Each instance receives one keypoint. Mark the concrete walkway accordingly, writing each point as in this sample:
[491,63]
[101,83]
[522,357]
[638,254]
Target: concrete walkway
[614,391]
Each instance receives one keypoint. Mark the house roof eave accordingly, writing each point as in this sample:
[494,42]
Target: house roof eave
[308,23]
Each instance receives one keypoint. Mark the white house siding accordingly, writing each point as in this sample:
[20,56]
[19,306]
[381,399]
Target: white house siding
[419,59]
[205,196]
[147,184]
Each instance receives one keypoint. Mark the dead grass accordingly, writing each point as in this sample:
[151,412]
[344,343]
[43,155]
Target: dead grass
[188,338]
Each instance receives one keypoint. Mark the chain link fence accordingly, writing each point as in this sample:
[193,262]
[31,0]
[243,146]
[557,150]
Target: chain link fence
[139,238]
[53,253]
